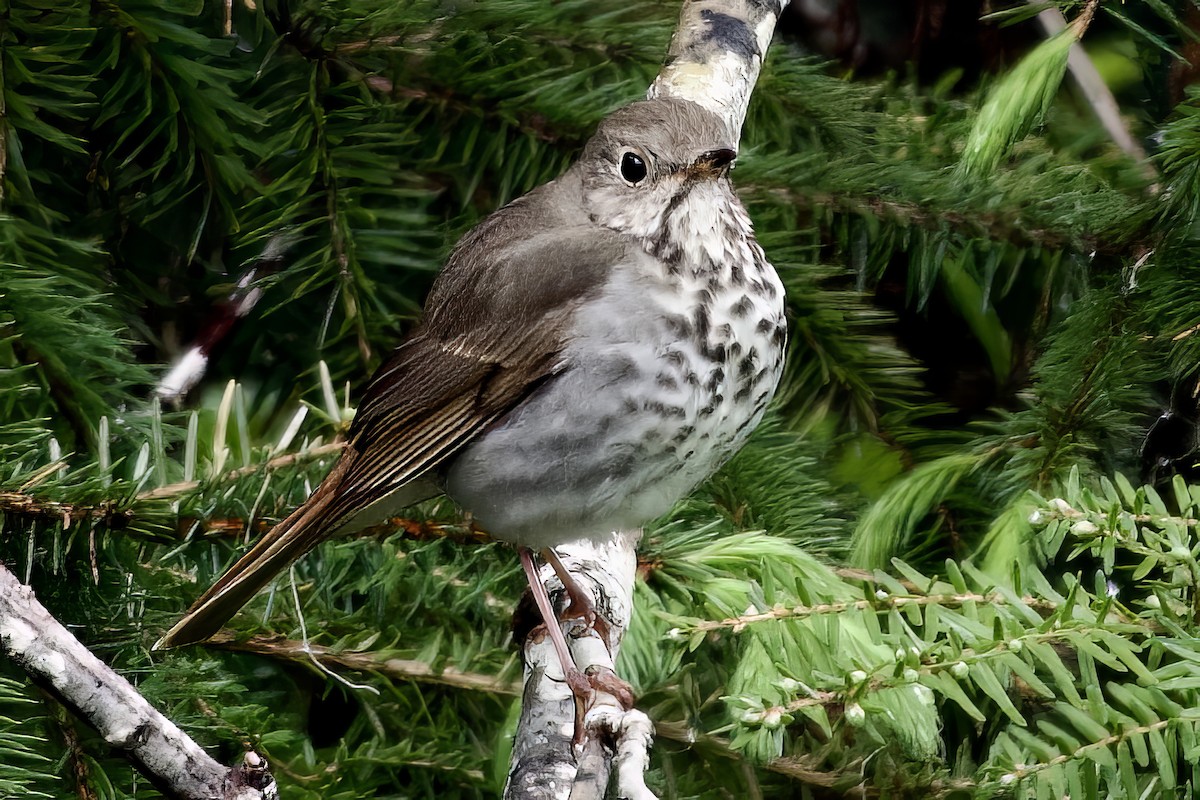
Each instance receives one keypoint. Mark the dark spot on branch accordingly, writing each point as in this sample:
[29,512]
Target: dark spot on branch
[730,33]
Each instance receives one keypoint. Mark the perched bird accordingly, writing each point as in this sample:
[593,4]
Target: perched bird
[588,355]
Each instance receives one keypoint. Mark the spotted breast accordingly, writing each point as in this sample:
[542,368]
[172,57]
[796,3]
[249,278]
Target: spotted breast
[668,367]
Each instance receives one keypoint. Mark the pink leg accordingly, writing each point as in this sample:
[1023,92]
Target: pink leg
[575,679]
[581,605]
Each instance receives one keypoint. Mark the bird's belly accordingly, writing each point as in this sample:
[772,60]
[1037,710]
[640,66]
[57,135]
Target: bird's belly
[656,395]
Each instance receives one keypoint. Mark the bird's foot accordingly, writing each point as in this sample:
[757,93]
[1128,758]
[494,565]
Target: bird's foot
[579,602]
[587,688]
[603,679]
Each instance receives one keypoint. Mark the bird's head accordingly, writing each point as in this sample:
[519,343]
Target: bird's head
[649,160]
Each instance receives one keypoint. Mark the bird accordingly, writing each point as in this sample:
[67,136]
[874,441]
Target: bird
[588,354]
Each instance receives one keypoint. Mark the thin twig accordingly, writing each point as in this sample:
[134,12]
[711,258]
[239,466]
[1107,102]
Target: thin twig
[76,757]
[1022,772]
[1092,85]
[30,505]
[399,669]
[992,225]
[739,623]
[183,487]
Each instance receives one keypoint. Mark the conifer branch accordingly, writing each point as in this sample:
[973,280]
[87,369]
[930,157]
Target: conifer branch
[66,513]
[183,487]
[3,132]
[1022,772]
[884,603]
[80,769]
[110,513]
[996,226]
[398,669]
[966,656]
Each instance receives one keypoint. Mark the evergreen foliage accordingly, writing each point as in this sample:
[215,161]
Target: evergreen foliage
[926,576]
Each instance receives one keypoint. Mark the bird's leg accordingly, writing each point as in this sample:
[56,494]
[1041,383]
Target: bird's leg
[575,679]
[581,605]
[580,601]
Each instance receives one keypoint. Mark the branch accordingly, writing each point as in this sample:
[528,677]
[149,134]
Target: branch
[713,60]
[716,54]
[1093,87]
[885,603]
[52,657]
[183,487]
[545,764]
[400,669]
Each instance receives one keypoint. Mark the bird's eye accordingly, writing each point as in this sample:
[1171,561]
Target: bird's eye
[633,168]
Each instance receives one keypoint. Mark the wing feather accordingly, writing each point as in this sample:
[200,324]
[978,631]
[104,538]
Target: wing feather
[495,327]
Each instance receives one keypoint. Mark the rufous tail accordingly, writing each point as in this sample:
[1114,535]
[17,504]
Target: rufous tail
[300,532]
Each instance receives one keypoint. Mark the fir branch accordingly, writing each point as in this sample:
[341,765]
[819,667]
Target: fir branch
[77,758]
[1022,772]
[65,513]
[112,514]
[878,604]
[183,487]
[397,669]
[798,768]
[967,656]
[1008,225]
[4,131]
[1060,509]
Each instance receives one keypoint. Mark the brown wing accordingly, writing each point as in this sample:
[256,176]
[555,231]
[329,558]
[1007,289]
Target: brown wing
[432,399]
[428,402]
[494,331]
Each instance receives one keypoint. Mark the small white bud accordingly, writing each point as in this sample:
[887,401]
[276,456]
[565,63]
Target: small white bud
[856,677]
[675,635]
[1061,506]
[1036,517]
[923,693]
[899,653]
[855,714]
[1153,602]
[959,670]
[1111,589]
[1084,527]
[1006,780]
[911,675]
[880,594]
[750,717]
[772,718]
[1015,645]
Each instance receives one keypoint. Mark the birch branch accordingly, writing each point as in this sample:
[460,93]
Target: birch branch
[716,54]
[713,60]
[545,764]
[53,658]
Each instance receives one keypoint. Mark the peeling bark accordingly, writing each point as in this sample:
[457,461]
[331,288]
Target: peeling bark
[55,659]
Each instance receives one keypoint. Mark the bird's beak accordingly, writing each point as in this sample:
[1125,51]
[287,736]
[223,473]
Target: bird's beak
[713,163]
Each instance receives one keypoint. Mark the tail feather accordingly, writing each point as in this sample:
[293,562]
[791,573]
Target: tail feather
[299,533]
